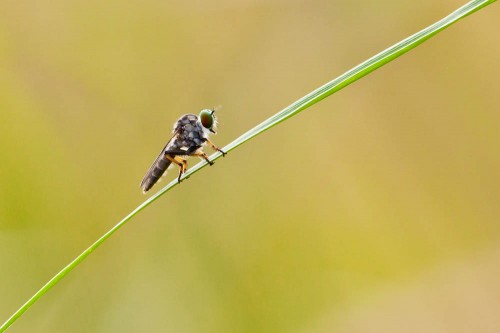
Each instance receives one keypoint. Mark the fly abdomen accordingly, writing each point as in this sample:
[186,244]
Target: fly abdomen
[158,168]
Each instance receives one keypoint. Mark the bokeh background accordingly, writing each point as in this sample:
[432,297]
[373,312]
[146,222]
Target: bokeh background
[377,210]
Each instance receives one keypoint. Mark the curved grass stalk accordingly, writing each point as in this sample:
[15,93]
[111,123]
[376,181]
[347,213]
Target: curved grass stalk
[317,95]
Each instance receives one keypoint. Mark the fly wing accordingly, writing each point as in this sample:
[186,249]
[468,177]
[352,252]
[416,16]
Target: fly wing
[157,169]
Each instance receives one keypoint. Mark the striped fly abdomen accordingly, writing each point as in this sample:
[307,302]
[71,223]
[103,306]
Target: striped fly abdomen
[157,170]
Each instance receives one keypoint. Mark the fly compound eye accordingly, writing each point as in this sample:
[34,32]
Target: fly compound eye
[206,118]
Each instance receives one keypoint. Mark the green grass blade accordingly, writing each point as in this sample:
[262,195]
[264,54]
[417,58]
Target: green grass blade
[317,95]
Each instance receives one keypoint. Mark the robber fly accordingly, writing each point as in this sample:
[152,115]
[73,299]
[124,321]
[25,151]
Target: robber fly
[191,133]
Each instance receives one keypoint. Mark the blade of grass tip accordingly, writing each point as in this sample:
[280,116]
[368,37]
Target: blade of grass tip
[317,95]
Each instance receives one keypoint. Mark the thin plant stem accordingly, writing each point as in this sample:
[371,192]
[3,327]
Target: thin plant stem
[315,96]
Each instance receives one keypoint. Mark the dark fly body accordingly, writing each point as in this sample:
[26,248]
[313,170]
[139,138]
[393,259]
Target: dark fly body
[191,133]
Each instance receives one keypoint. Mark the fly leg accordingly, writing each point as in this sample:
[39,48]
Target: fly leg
[182,163]
[183,167]
[216,148]
[201,154]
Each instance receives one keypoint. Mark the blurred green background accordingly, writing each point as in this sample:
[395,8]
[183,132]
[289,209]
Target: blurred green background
[376,210]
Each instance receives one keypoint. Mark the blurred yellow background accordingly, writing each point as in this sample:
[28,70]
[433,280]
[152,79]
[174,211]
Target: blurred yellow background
[377,210]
